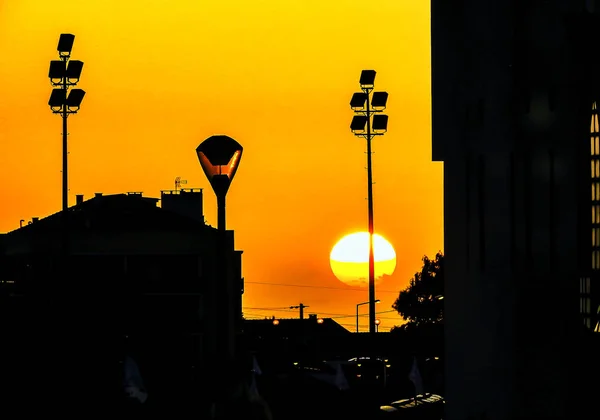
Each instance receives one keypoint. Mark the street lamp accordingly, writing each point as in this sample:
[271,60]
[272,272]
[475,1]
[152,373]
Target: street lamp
[377,322]
[369,122]
[220,157]
[360,304]
[64,74]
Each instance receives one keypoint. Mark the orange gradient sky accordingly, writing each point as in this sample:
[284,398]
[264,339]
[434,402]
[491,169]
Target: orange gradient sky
[163,75]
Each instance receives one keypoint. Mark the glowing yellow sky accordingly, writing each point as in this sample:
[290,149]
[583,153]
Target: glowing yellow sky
[276,75]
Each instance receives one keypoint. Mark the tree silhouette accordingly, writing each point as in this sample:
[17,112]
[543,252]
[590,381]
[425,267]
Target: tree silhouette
[421,303]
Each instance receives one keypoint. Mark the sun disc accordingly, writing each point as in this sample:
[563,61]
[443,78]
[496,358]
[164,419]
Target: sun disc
[349,258]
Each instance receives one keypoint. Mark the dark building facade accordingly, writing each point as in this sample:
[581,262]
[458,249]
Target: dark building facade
[514,84]
[138,280]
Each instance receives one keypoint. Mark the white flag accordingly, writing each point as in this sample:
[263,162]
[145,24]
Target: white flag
[255,371]
[132,382]
[255,367]
[340,379]
[415,377]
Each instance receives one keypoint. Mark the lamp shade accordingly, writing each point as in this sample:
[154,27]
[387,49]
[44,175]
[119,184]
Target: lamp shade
[219,157]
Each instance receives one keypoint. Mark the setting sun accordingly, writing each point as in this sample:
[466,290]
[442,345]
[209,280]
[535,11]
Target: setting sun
[349,258]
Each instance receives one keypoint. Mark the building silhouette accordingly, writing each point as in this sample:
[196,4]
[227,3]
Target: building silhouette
[514,85]
[138,280]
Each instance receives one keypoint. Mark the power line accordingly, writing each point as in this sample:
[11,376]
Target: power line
[316,287]
[333,315]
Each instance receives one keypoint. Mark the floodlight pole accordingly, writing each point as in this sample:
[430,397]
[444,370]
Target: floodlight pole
[367,107]
[65,152]
[371,228]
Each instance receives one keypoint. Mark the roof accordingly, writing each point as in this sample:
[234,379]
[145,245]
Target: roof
[294,326]
[114,212]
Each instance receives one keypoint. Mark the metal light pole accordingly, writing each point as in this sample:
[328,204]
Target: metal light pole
[360,304]
[64,74]
[219,157]
[368,123]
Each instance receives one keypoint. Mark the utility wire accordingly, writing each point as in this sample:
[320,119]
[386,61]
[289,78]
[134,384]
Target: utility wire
[316,287]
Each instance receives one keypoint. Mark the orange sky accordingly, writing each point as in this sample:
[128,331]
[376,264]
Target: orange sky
[163,75]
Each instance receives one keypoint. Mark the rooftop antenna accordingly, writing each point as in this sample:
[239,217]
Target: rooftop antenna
[179,182]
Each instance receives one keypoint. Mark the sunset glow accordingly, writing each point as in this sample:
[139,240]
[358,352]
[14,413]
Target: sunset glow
[277,76]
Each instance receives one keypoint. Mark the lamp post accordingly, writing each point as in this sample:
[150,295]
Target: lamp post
[368,123]
[360,304]
[64,74]
[219,157]
[377,322]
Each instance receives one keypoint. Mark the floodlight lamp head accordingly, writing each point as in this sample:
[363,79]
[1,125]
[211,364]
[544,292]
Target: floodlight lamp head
[56,71]
[367,78]
[65,44]
[75,98]
[380,122]
[73,71]
[219,157]
[358,101]
[57,99]
[379,100]
[358,123]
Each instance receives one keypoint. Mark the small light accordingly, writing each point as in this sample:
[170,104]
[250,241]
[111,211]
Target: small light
[388,366]
[320,321]
[377,321]
[275,322]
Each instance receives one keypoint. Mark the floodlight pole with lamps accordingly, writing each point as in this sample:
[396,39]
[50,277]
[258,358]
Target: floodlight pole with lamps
[64,74]
[360,304]
[219,158]
[368,123]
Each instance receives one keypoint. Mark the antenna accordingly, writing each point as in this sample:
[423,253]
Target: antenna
[179,182]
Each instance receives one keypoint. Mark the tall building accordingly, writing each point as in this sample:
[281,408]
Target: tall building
[514,84]
[139,280]
[589,305]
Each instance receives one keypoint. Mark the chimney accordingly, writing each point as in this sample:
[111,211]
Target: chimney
[34,219]
[78,199]
[96,195]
